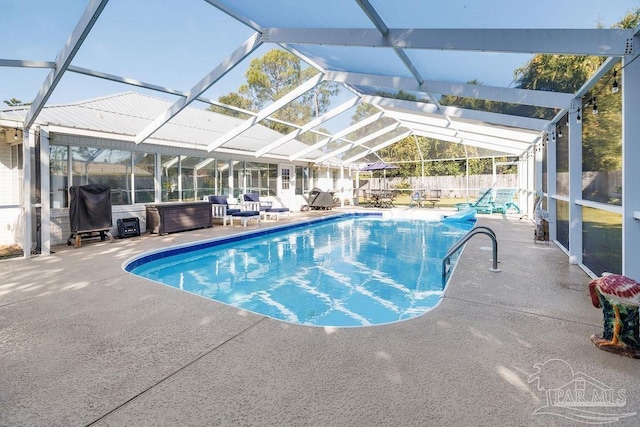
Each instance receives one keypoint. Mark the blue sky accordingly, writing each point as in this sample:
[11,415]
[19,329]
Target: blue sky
[175,43]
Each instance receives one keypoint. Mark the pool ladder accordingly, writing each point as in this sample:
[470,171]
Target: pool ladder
[446,261]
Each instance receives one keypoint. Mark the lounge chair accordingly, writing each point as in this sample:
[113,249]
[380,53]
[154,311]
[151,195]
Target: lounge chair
[483,204]
[220,209]
[319,199]
[266,209]
[503,200]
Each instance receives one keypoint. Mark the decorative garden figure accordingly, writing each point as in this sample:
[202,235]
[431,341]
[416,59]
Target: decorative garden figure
[619,298]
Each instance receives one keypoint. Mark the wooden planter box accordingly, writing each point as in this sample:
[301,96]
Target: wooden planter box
[163,218]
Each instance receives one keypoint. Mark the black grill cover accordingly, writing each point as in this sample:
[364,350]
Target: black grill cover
[90,207]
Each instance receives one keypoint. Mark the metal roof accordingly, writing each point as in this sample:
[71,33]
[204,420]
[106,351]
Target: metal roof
[372,48]
[124,115]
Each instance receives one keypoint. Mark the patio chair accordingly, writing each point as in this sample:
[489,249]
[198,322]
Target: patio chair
[433,197]
[266,209]
[416,198]
[504,200]
[220,209]
[367,198]
[386,199]
[483,204]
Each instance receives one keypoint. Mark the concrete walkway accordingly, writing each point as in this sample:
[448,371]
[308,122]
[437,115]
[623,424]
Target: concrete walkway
[84,343]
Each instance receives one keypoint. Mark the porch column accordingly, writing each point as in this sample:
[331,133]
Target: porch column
[342,186]
[551,148]
[630,169]
[575,186]
[27,151]
[157,180]
[45,201]
[357,189]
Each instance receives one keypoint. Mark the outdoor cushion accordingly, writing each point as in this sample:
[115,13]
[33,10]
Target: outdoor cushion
[218,200]
[255,198]
[251,197]
[245,213]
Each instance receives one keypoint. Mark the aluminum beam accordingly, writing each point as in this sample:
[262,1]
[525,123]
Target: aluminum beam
[454,112]
[26,64]
[606,66]
[222,6]
[457,140]
[428,128]
[516,96]
[266,112]
[359,142]
[312,124]
[630,171]
[498,142]
[207,81]
[599,42]
[499,132]
[338,135]
[454,127]
[378,147]
[64,58]
[373,15]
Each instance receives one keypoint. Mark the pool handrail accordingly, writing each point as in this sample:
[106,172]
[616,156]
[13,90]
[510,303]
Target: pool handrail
[480,229]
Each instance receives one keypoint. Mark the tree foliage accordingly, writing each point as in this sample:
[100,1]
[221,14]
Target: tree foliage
[13,102]
[602,132]
[273,76]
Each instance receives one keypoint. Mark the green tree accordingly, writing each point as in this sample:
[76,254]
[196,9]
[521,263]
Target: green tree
[236,100]
[13,102]
[602,133]
[271,77]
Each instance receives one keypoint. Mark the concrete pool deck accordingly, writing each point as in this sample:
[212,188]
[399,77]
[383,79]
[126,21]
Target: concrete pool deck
[84,343]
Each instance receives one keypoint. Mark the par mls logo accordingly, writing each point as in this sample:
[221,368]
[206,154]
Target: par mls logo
[577,396]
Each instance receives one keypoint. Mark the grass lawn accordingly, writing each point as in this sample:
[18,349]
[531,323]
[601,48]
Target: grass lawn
[445,202]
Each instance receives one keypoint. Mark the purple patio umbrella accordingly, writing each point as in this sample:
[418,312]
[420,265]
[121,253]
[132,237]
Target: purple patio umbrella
[378,166]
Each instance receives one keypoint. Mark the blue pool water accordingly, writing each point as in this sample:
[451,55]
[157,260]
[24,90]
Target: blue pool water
[350,271]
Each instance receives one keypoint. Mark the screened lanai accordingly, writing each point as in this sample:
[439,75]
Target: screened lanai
[377,73]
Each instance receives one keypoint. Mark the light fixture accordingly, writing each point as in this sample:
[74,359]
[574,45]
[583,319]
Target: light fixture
[578,118]
[15,134]
[560,132]
[614,86]
[595,107]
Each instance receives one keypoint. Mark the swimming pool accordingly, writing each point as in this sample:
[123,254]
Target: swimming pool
[353,270]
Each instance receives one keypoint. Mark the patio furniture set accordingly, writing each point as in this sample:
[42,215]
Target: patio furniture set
[250,208]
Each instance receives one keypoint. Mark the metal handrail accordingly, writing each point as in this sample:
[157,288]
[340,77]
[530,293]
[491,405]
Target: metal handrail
[446,261]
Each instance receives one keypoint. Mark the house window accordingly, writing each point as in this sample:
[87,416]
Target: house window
[169,180]
[144,170]
[105,166]
[286,178]
[302,180]
[59,176]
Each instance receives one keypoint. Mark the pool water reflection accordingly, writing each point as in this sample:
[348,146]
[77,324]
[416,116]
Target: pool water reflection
[357,271]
